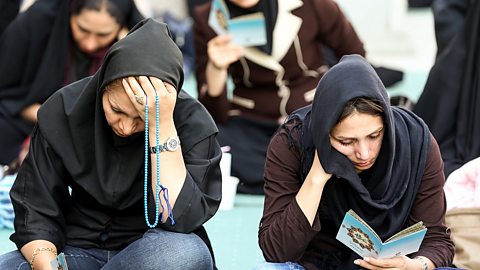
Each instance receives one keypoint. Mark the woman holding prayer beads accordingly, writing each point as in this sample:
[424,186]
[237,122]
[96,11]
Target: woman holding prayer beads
[351,150]
[123,167]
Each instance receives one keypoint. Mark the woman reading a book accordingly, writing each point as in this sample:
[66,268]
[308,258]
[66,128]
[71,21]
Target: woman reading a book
[123,167]
[351,150]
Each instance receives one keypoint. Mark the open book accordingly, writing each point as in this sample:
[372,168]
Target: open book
[246,30]
[361,238]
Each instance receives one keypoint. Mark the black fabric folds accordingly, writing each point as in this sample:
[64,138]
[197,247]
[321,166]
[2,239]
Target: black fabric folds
[84,134]
[449,103]
[383,195]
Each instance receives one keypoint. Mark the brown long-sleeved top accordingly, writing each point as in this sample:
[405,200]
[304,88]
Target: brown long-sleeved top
[267,87]
[286,235]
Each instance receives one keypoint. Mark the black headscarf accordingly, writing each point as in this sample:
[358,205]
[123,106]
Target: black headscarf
[269,8]
[384,195]
[449,103]
[34,54]
[73,121]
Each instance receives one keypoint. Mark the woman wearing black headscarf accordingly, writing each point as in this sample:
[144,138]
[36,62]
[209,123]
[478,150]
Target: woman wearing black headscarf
[93,187]
[352,150]
[53,43]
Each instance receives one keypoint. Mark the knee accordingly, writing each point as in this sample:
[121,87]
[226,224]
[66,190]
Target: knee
[181,251]
[278,266]
[13,260]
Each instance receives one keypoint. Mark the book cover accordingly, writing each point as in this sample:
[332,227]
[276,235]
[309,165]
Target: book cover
[355,233]
[247,30]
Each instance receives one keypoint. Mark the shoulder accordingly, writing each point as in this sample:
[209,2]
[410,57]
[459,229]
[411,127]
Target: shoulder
[434,159]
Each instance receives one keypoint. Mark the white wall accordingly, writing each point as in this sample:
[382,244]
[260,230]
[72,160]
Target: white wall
[393,35]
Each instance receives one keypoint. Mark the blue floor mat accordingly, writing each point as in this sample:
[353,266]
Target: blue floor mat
[233,234]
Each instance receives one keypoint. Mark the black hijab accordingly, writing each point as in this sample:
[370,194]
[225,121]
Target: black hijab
[382,196]
[449,103]
[73,121]
[34,51]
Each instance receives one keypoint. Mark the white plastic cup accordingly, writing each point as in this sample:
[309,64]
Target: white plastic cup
[226,164]
[229,191]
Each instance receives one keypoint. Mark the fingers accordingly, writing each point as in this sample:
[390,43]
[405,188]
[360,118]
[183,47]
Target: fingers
[134,95]
[391,263]
[222,52]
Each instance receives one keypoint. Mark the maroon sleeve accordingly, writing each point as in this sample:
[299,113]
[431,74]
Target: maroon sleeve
[336,31]
[284,231]
[216,106]
[430,207]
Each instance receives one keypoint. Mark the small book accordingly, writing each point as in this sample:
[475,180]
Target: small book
[247,30]
[356,234]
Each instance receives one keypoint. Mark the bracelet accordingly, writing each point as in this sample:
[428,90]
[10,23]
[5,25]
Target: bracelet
[38,250]
[423,261]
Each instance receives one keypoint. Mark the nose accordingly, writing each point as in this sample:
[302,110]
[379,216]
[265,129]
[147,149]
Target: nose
[127,126]
[90,44]
[362,150]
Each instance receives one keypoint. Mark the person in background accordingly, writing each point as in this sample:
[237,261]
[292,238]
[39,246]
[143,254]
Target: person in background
[270,81]
[352,150]
[123,167]
[51,44]
[448,17]
[450,98]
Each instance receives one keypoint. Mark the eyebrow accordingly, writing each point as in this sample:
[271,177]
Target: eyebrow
[91,32]
[348,138]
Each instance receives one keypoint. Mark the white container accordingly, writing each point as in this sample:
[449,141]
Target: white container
[226,164]
[229,191]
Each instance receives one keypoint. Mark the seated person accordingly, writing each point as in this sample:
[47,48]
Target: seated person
[352,150]
[51,44]
[91,185]
[271,80]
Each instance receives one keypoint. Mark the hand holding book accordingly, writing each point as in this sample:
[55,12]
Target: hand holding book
[355,233]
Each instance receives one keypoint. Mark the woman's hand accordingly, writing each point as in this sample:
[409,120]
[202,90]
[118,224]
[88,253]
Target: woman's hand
[317,173]
[222,53]
[139,88]
[398,262]
[310,193]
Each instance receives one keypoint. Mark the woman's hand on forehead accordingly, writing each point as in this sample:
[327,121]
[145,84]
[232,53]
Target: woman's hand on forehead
[143,89]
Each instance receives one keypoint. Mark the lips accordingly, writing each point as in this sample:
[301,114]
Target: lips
[363,164]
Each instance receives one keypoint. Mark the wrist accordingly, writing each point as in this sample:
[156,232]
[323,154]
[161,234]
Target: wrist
[216,67]
[42,256]
[422,263]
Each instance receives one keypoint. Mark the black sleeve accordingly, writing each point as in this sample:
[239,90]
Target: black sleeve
[39,196]
[201,193]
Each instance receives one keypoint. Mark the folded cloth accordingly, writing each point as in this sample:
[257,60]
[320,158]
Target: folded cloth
[462,188]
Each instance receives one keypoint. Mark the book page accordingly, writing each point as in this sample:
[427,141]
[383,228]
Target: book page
[358,236]
[414,228]
[248,30]
[404,244]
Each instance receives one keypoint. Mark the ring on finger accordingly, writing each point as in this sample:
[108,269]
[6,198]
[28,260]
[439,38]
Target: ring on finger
[139,99]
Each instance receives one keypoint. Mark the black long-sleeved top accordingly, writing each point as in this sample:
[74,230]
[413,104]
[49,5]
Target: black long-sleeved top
[45,209]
